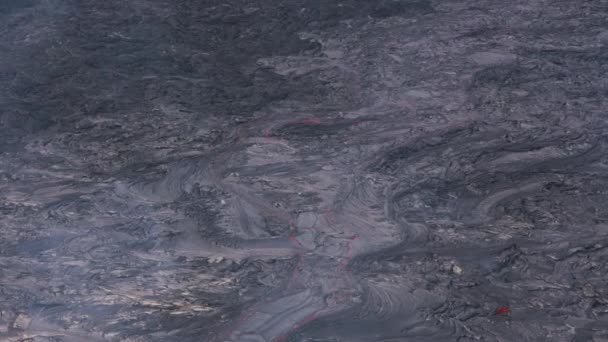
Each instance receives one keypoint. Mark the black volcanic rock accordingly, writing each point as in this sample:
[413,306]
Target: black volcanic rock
[256,170]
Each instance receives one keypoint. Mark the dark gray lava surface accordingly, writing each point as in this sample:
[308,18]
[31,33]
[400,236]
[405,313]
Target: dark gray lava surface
[303,170]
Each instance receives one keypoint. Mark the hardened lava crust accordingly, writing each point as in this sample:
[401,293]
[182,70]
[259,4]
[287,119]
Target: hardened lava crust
[303,170]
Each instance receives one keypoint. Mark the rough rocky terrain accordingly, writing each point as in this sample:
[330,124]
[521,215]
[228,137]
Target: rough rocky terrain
[303,170]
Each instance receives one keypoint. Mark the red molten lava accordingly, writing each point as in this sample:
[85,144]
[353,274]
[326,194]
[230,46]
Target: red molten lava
[503,311]
[312,121]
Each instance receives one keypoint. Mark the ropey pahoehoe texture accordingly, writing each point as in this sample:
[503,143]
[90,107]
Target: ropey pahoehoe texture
[303,171]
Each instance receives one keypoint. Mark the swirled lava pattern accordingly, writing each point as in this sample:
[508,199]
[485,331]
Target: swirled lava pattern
[303,171]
